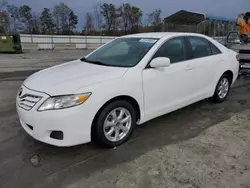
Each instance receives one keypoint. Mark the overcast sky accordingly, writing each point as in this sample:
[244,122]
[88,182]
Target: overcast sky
[223,8]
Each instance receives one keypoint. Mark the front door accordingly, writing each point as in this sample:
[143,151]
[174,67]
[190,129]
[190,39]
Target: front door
[169,88]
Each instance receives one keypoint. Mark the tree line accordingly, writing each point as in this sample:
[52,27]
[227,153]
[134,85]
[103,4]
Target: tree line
[105,18]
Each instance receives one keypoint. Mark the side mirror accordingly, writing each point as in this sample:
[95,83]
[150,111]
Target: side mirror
[160,62]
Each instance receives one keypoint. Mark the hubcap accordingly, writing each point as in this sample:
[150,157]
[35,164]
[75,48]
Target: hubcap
[117,124]
[223,88]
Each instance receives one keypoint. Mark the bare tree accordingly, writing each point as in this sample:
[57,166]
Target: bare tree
[4,22]
[65,19]
[4,17]
[14,18]
[73,21]
[26,17]
[61,13]
[47,22]
[135,17]
[36,23]
[123,13]
[97,16]
[154,18]
[109,13]
[88,23]
[3,4]
[129,16]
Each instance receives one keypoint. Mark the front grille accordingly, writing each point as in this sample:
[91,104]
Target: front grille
[28,101]
[244,51]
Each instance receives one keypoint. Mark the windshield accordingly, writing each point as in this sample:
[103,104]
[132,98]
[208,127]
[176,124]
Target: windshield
[122,52]
[233,37]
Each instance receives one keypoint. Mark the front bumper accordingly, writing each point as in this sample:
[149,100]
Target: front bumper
[75,123]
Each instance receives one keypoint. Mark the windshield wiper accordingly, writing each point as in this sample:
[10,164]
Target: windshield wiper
[97,62]
[93,62]
[84,59]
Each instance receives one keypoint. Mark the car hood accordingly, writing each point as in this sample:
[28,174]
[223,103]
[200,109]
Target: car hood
[69,77]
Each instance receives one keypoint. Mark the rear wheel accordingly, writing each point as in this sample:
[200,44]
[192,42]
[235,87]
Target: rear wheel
[115,124]
[222,89]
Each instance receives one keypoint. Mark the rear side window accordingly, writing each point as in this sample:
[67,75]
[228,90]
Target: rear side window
[200,47]
[174,49]
[214,49]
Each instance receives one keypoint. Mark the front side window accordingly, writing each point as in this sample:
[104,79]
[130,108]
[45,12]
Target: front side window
[200,47]
[122,52]
[174,49]
[233,37]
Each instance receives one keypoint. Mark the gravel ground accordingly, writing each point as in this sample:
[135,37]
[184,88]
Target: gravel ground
[202,146]
[34,60]
[218,157]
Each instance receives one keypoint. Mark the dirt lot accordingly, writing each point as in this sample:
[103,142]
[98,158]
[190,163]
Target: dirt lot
[33,60]
[202,146]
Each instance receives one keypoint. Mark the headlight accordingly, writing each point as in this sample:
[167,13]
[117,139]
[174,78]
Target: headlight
[60,102]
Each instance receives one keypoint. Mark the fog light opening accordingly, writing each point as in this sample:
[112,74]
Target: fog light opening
[58,135]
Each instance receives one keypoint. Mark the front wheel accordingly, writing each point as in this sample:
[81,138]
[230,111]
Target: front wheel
[114,124]
[222,89]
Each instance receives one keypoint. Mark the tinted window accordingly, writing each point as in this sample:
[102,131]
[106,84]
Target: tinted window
[118,49]
[233,37]
[122,52]
[214,49]
[200,47]
[174,49]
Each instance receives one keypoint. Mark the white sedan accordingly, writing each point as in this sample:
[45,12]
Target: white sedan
[127,81]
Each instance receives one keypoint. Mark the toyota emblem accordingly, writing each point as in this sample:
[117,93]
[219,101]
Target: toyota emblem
[20,92]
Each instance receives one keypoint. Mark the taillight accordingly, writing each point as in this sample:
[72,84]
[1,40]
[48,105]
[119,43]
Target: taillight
[238,57]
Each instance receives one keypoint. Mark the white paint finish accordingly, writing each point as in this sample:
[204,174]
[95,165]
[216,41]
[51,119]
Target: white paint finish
[166,88]
[160,62]
[78,75]
[156,90]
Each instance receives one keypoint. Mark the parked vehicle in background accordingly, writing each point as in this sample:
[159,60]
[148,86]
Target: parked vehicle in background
[128,81]
[234,42]
[10,44]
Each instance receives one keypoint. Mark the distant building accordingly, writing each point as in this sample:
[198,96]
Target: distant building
[186,21]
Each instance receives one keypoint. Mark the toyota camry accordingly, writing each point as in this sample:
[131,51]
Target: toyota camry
[128,81]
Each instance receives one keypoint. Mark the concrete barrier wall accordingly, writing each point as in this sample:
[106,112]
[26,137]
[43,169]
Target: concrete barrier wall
[63,42]
[44,42]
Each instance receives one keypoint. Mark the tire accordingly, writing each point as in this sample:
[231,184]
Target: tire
[225,83]
[109,120]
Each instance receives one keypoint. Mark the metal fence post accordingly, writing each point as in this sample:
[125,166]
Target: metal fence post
[86,40]
[31,38]
[209,29]
[52,41]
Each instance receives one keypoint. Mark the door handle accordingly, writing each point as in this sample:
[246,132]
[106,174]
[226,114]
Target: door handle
[188,68]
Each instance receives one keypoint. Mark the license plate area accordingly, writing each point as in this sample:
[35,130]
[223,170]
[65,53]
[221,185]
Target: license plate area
[245,65]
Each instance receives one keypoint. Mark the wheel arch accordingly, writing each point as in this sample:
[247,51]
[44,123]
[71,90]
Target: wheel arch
[230,74]
[127,98]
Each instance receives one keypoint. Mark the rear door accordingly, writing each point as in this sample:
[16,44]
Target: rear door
[207,60]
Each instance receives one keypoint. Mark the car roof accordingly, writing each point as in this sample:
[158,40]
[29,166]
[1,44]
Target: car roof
[159,35]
